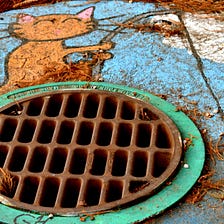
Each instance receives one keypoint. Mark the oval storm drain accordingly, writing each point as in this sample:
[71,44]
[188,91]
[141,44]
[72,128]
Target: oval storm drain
[79,151]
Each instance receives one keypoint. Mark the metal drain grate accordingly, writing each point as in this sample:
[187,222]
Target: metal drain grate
[81,151]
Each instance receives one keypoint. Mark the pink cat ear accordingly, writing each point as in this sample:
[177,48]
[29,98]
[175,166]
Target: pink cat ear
[25,18]
[86,14]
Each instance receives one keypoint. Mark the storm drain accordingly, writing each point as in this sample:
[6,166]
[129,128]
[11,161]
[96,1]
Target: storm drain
[79,151]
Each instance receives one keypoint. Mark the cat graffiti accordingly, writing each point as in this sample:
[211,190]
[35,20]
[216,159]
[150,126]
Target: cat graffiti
[43,43]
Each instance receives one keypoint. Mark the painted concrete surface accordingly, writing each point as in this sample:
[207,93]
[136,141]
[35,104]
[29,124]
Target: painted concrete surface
[191,66]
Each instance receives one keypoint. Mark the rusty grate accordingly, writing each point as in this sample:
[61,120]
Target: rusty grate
[79,151]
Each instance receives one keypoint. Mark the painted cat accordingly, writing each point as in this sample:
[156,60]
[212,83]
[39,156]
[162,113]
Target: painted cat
[43,47]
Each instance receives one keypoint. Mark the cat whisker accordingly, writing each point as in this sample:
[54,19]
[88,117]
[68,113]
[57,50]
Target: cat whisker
[111,31]
[90,27]
[1,38]
[111,17]
[20,33]
[16,26]
[90,22]
[2,30]
[106,25]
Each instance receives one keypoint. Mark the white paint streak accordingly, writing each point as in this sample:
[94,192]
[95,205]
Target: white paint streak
[207,34]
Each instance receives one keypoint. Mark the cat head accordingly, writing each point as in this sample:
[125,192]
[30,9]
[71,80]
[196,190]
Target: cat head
[53,27]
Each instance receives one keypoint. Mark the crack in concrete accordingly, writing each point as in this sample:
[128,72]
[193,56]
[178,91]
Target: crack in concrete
[200,66]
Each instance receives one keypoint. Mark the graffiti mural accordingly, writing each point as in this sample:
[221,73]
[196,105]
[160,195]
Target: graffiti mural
[174,54]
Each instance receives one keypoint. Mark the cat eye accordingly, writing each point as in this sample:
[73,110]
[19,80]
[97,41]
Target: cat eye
[77,19]
[45,20]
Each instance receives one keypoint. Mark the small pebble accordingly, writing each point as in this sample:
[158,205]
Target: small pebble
[209,115]
[50,216]
[215,111]
[186,166]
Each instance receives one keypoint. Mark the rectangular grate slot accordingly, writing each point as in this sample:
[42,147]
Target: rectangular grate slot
[136,186]
[3,154]
[46,131]
[49,192]
[73,105]
[128,110]
[85,133]
[54,105]
[114,191]
[162,137]
[38,159]
[29,189]
[104,134]
[66,132]
[99,162]
[27,131]
[58,160]
[91,106]
[14,110]
[93,192]
[124,134]
[109,108]
[71,193]
[139,165]
[160,163]
[35,107]
[119,163]
[8,130]
[143,135]
[78,161]
[18,158]
[147,115]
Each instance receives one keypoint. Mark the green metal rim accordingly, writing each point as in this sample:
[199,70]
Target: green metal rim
[194,157]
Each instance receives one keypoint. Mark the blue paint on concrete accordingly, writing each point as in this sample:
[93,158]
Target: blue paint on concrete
[141,60]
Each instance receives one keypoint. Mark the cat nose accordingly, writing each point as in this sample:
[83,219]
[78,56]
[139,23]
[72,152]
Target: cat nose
[57,32]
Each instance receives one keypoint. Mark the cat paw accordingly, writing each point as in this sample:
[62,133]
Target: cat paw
[107,46]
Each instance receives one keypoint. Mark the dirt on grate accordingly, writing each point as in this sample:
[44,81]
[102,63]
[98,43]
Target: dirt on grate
[7,183]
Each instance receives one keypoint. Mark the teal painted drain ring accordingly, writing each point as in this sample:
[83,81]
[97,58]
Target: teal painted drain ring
[184,180]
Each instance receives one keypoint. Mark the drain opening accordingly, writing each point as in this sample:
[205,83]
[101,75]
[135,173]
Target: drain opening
[88,151]
[58,159]
[115,189]
[38,159]
[139,166]
[99,162]
[71,193]
[119,163]
[29,189]
[78,162]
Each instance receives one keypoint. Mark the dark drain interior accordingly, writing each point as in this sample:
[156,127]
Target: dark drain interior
[85,150]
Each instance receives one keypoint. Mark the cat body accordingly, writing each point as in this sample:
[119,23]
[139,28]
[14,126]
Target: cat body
[43,44]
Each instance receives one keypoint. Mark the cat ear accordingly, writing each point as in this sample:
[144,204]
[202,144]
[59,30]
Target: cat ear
[86,14]
[25,18]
